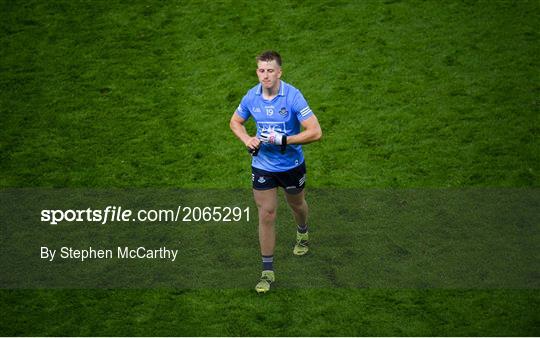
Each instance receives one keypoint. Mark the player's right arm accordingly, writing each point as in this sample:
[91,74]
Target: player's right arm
[238,128]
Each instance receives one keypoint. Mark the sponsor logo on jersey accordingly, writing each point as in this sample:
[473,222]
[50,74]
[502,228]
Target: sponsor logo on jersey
[271,126]
[256,109]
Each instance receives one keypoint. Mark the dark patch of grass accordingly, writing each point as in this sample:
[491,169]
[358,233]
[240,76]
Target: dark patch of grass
[312,312]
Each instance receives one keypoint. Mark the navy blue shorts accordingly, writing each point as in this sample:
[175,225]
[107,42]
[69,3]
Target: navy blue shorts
[293,181]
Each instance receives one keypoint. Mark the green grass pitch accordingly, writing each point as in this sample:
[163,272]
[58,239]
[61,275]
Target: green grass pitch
[410,94]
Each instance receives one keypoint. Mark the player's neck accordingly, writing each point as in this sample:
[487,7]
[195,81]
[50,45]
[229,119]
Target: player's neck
[270,93]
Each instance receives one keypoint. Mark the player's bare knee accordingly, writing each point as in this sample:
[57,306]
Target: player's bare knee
[267,214]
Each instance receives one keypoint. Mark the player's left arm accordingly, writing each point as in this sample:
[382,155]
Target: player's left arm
[312,132]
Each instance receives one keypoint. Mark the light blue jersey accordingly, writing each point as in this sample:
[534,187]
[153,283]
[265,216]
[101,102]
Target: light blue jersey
[283,114]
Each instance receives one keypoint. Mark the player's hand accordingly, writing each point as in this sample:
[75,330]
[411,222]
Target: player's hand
[273,137]
[253,145]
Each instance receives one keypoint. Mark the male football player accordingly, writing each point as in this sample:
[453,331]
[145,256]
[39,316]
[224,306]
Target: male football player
[279,111]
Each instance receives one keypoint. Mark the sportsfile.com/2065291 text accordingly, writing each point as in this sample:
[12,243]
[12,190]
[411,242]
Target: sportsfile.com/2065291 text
[119,214]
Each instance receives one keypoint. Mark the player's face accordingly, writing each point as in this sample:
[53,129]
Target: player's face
[269,73]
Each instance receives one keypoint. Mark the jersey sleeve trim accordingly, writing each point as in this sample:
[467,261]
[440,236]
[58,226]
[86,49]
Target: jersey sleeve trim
[306,111]
[301,107]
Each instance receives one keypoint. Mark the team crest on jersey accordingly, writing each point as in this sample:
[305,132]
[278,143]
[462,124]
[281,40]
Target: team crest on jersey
[283,112]
[261,179]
